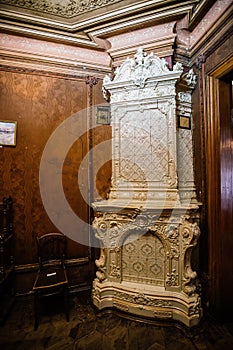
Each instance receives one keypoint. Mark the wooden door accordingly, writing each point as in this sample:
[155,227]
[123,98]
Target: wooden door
[226,197]
[220,190]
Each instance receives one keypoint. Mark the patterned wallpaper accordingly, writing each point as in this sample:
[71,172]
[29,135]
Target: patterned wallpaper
[38,104]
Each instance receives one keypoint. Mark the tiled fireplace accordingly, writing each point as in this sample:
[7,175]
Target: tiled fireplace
[149,224]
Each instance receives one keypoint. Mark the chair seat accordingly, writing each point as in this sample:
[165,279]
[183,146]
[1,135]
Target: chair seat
[50,277]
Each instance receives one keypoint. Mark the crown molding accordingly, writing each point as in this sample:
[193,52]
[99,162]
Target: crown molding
[142,19]
[46,34]
[117,16]
[25,51]
[194,29]
[198,12]
[31,65]
[218,25]
[159,39]
[163,47]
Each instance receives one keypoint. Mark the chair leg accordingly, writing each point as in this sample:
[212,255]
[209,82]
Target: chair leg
[66,301]
[36,309]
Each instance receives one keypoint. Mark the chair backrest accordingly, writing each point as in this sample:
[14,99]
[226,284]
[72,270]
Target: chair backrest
[52,247]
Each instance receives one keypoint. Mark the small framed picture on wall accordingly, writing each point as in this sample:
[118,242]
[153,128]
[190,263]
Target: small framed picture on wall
[103,115]
[184,122]
[8,133]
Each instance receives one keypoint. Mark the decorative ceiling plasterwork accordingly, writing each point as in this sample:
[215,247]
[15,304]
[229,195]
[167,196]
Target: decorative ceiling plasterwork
[87,23]
[110,32]
[64,8]
[94,17]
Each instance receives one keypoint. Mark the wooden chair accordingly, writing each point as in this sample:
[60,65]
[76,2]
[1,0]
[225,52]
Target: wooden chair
[51,277]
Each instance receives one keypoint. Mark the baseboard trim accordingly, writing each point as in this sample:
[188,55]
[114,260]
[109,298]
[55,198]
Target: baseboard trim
[35,266]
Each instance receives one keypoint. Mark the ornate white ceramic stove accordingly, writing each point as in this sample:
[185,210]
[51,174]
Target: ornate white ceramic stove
[149,224]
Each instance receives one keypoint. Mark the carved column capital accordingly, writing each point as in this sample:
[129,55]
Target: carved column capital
[91,81]
[200,60]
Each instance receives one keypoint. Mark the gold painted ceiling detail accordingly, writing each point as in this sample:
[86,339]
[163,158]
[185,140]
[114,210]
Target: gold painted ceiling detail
[65,8]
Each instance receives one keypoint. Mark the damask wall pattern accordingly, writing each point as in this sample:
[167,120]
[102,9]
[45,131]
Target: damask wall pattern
[39,104]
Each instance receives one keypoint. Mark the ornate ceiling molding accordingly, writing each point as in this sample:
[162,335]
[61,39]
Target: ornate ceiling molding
[112,32]
[80,22]
[33,53]
[199,10]
[216,24]
[63,8]
[158,38]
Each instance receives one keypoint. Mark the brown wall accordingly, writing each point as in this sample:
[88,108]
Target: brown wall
[40,103]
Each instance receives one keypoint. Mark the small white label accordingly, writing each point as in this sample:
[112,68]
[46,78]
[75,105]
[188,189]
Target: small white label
[51,274]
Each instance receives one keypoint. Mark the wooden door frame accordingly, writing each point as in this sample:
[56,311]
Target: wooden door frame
[213,186]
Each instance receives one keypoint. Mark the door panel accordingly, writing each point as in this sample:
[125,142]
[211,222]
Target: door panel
[219,181]
[226,190]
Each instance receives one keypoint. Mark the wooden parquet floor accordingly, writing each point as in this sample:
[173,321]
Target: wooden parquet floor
[89,329]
